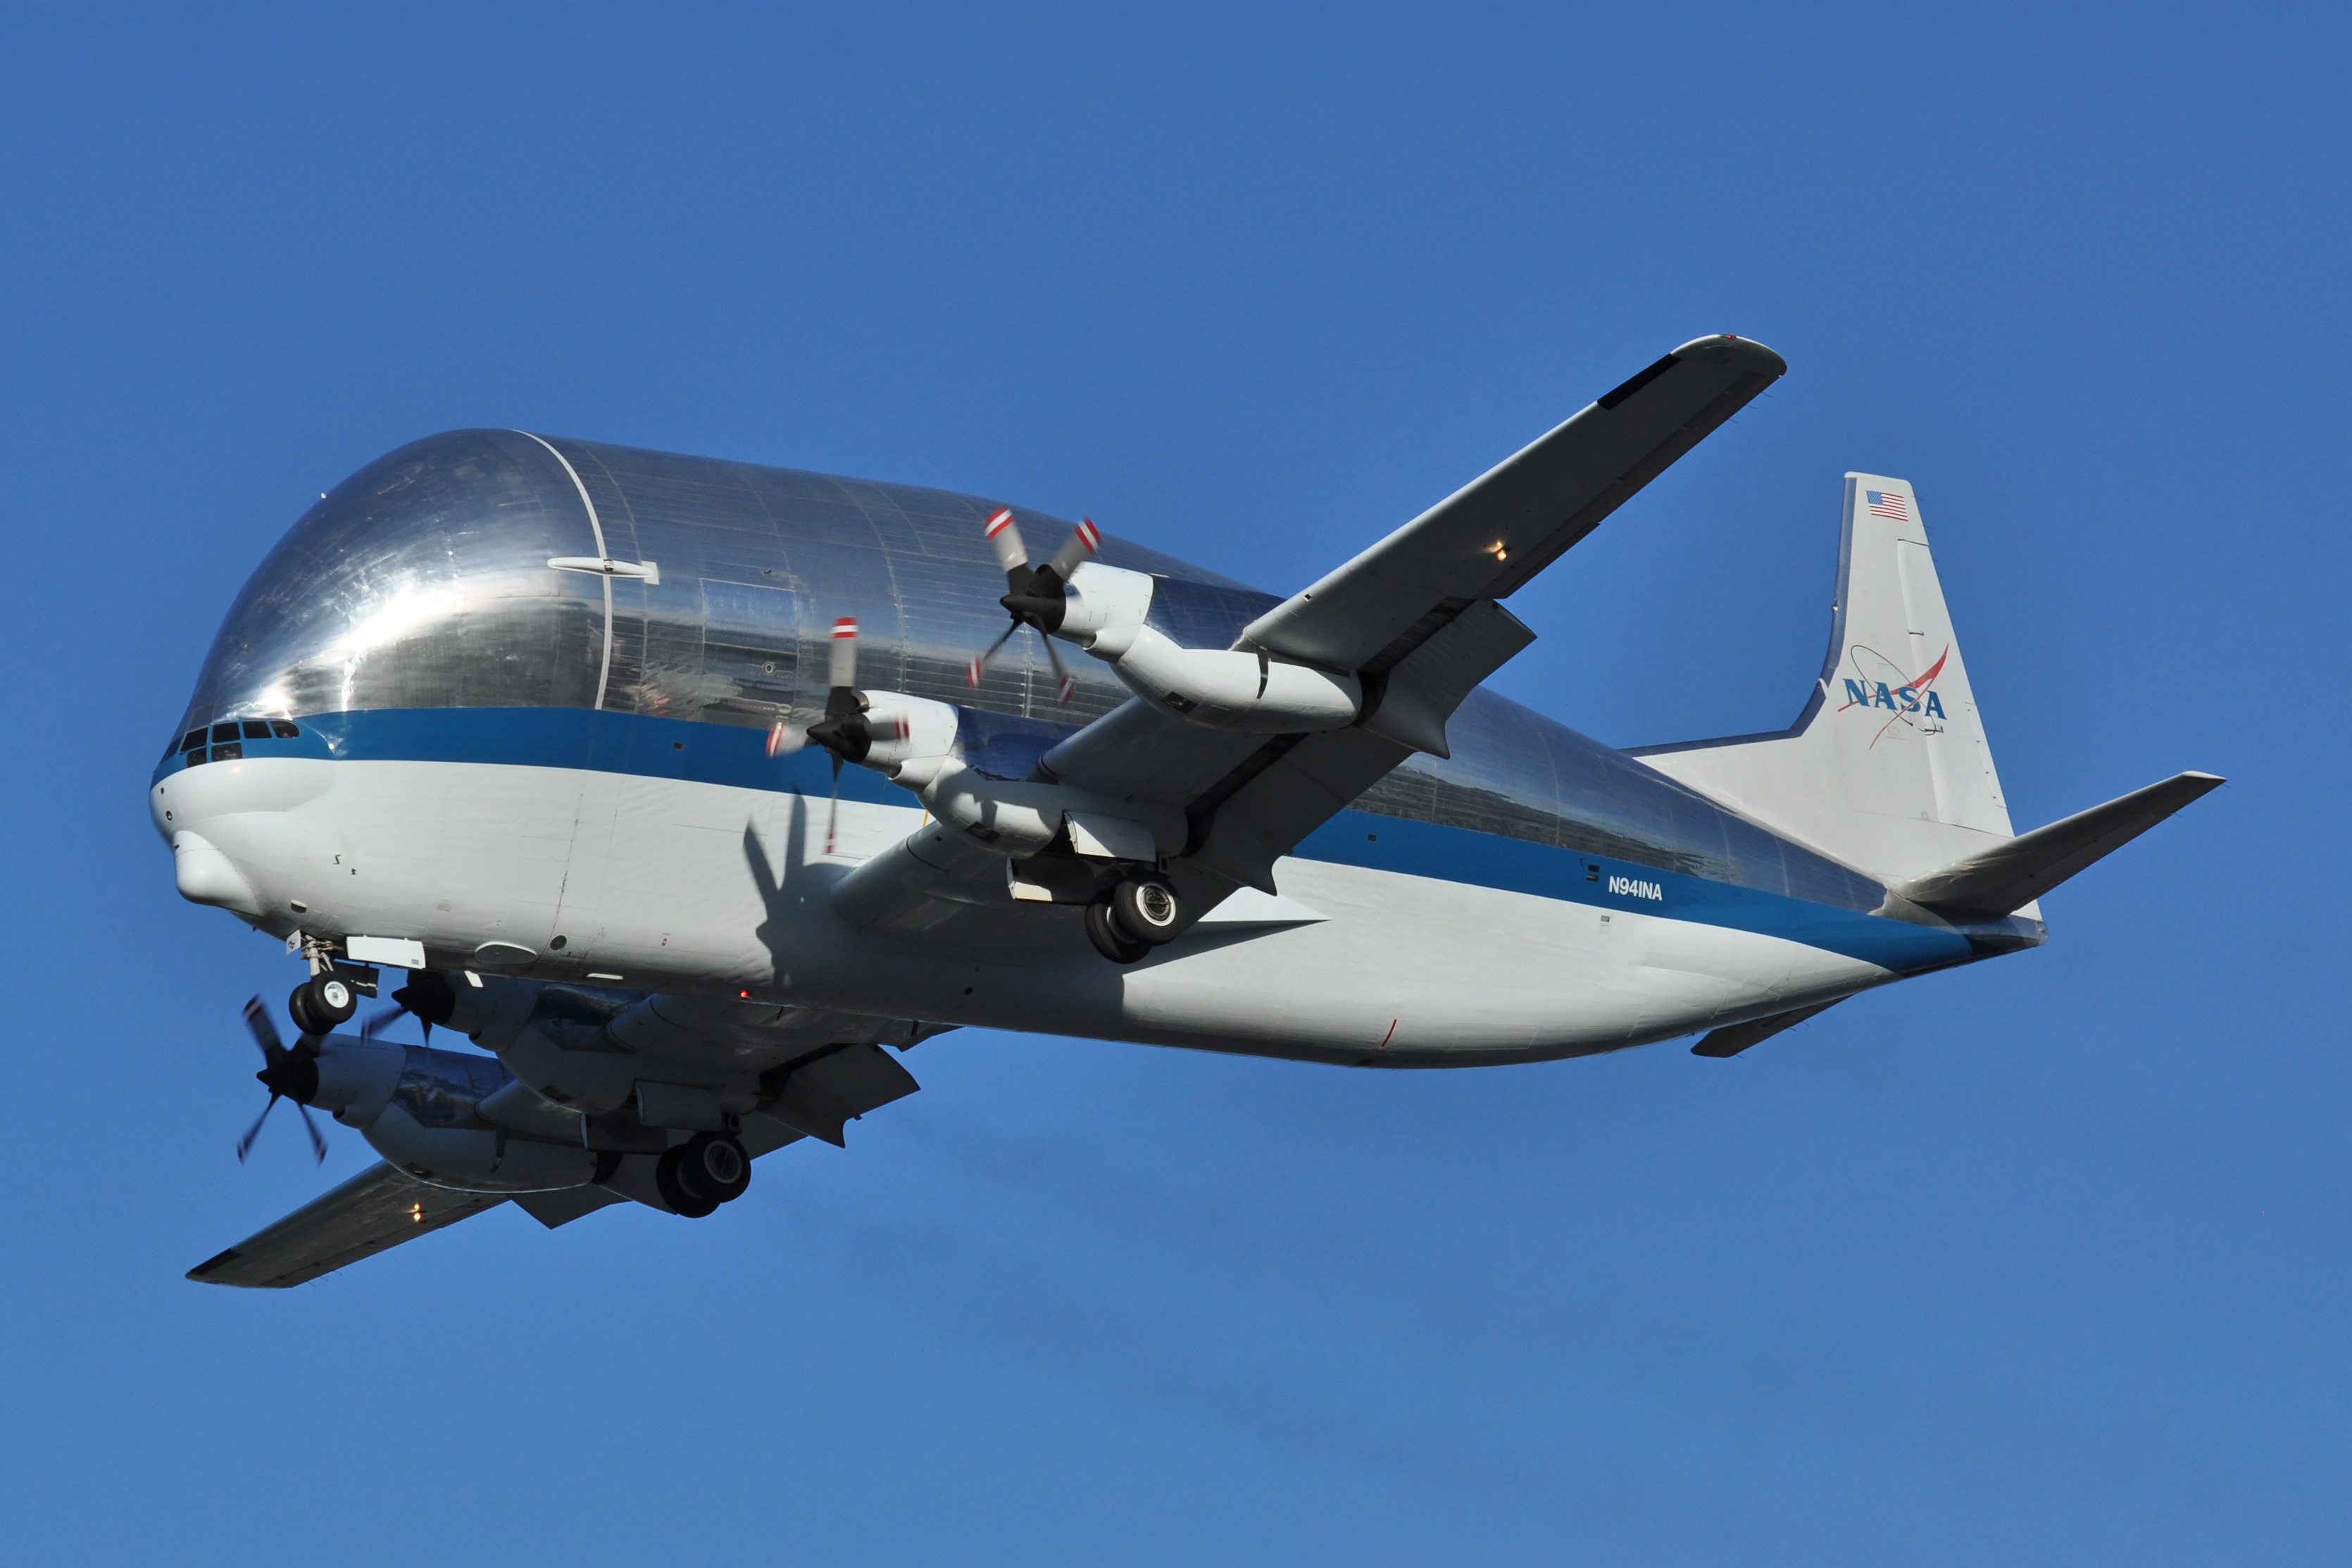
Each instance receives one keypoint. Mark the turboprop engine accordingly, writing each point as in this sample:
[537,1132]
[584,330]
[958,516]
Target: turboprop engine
[421,1108]
[1102,609]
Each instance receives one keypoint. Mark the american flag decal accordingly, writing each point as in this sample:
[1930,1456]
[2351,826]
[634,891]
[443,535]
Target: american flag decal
[1886,504]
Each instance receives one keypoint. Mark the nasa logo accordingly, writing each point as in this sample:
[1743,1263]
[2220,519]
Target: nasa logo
[1634,889]
[1909,702]
[1898,699]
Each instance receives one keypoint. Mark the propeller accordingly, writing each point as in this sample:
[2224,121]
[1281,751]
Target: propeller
[1038,595]
[848,729]
[375,1023]
[426,997]
[287,1074]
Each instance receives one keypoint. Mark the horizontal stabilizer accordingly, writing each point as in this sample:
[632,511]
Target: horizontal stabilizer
[1733,1038]
[377,1208]
[1996,882]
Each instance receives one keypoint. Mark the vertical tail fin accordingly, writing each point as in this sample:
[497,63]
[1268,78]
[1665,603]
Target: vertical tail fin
[1888,767]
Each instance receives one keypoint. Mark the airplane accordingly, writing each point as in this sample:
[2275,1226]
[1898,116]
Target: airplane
[681,788]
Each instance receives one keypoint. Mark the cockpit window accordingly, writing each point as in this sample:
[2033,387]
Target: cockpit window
[225,732]
[283,730]
[256,729]
[192,740]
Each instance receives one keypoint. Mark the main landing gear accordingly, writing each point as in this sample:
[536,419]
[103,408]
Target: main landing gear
[323,1003]
[698,1176]
[1133,918]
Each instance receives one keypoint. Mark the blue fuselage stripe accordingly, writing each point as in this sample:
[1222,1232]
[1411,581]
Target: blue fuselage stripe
[736,757]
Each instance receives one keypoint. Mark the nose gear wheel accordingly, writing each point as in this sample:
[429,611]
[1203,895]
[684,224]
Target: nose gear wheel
[323,1003]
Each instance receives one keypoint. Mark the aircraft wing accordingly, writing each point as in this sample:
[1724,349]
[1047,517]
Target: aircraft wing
[1488,539]
[1414,618]
[1249,798]
[377,1208]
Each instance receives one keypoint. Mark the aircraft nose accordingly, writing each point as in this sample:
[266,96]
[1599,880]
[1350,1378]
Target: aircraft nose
[206,875]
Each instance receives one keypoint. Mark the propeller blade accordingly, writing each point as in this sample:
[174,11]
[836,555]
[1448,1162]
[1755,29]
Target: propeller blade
[245,1144]
[832,817]
[317,1143]
[375,1023]
[265,1031]
[1084,541]
[1011,554]
[784,740]
[979,667]
[1063,683]
[845,654]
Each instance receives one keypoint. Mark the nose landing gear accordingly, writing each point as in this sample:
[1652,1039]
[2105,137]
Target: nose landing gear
[323,1003]
[698,1176]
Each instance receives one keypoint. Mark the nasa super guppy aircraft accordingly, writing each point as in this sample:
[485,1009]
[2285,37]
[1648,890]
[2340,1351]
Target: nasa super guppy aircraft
[677,787]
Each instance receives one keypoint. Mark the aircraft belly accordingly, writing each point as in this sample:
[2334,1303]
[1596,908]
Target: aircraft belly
[1413,970]
[693,888]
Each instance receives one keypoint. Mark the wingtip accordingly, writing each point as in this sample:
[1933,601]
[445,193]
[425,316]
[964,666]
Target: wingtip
[1730,347]
[218,1260]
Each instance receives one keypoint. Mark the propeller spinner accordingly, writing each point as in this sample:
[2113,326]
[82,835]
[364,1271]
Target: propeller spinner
[848,729]
[287,1074]
[1038,595]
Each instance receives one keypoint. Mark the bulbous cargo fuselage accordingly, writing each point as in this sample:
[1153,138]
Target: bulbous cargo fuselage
[509,699]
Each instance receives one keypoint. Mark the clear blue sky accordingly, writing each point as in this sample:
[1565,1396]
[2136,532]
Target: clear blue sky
[2044,1261]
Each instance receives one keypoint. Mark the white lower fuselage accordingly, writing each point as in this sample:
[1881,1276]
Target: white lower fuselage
[668,884]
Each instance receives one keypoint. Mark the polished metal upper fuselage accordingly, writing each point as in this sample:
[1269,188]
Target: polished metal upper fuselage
[423,582]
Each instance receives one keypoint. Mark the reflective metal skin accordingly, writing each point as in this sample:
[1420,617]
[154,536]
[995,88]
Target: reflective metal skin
[422,582]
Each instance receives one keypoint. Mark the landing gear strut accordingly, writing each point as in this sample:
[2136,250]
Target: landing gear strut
[323,1003]
[698,1176]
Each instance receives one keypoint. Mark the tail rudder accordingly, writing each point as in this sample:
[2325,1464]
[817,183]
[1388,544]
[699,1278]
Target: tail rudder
[1888,767]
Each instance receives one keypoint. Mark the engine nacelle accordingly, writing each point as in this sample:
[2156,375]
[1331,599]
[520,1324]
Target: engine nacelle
[421,1110]
[473,1004]
[912,736]
[1258,694]
[1100,599]
[476,1159]
[1011,817]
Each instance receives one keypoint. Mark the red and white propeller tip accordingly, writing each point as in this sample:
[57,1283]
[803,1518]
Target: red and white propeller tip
[1038,591]
[1004,538]
[1085,540]
[845,653]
